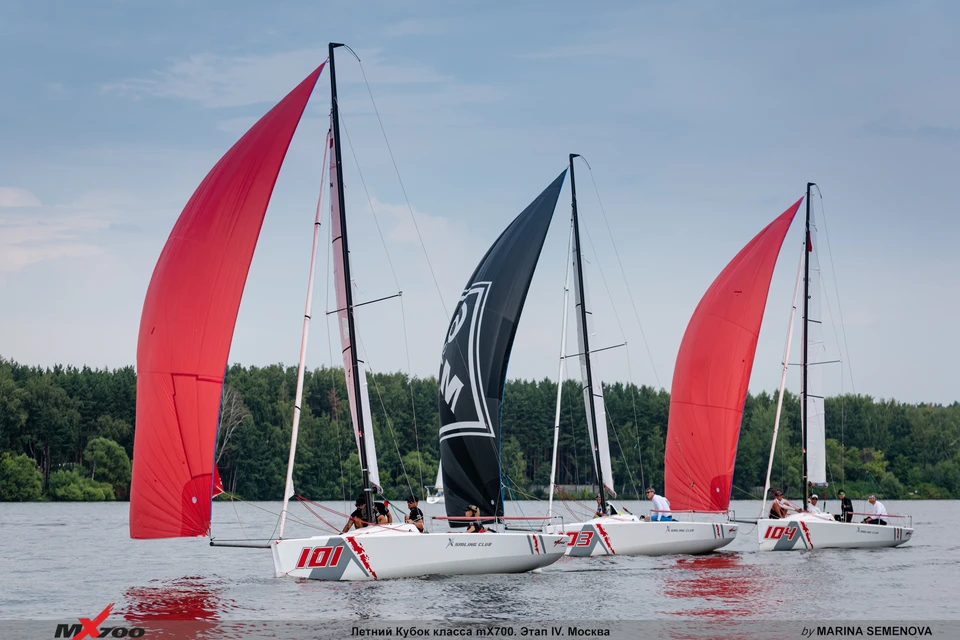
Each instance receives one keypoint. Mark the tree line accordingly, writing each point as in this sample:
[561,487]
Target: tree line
[66,433]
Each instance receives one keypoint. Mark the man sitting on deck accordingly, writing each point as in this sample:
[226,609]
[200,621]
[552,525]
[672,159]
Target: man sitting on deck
[778,509]
[661,507]
[878,512]
[610,508]
[812,507]
[356,518]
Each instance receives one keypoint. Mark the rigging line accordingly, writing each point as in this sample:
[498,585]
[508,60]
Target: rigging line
[386,416]
[623,456]
[373,211]
[403,189]
[622,271]
[290,516]
[335,409]
[406,342]
[606,286]
[413,399]
[636,424]
[833,274]
[240,522]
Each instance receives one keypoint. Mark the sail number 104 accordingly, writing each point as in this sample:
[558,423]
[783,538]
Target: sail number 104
[775,533]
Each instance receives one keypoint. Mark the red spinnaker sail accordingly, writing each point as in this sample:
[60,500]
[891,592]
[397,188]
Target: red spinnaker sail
[187,325]
[712,373]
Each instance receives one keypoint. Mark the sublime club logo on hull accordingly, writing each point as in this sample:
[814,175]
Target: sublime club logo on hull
[96,628]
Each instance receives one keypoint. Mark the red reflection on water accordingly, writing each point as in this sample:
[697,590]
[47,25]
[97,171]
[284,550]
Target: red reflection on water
[728,585]
[189,598]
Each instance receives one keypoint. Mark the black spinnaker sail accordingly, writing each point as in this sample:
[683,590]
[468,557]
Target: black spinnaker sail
[473,364]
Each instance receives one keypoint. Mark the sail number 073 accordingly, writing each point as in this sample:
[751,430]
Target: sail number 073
[580,538]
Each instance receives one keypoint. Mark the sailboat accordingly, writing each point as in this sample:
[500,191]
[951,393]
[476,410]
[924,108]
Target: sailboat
[620,534]
[185,333]
[436,498]
[712,372]
[806,530]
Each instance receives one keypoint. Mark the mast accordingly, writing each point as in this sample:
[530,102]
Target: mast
[351,327]
[584,334]
[563,355]
[783,382]
[803,352]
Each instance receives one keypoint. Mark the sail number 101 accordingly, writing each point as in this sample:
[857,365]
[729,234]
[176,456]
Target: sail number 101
[313,557]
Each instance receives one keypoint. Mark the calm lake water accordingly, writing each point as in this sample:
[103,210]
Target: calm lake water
[69,559]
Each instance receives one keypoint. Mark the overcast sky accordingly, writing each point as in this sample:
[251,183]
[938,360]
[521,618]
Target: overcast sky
[702,122]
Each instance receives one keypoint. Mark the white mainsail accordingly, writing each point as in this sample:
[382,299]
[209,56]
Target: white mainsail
[439,485]
[341,285]
[816,356]
[602,445]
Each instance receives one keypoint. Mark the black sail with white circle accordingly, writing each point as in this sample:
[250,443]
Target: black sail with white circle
[473,365]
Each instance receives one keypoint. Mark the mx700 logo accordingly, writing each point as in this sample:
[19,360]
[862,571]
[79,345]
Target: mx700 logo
[775,533]
[314,557]
[91,628]
[580,538]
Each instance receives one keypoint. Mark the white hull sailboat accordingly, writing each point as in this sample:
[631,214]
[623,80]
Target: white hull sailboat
[436,498]
[623,534]
[801,531]
[806,530]
[185,335]
[627,535]
[401,551]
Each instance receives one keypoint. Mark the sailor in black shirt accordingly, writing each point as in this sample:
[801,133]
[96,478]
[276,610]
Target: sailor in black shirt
[415,517]
[356,518]
[846,507]
[382,511]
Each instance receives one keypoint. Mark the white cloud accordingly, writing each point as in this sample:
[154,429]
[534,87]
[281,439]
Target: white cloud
[17,197]
[50,233]
[230,81]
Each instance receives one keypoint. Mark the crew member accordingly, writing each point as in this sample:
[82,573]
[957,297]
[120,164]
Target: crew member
[415,517]
[476,526]
[846,508]
[661,506]
[878,512]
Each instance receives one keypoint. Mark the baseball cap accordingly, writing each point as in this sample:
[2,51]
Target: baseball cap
[814,497]
[778,492]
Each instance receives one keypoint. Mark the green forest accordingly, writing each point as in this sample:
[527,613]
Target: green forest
[67,434]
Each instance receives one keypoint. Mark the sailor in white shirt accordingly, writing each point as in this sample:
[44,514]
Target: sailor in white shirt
[661,506]
[878,512]
[812,507]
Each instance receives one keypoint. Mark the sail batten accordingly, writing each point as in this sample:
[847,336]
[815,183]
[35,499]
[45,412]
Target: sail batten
[474,360]
[187,324]
[712,374]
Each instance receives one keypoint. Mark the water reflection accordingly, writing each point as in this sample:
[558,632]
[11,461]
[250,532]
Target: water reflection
[727,586]
[187,598]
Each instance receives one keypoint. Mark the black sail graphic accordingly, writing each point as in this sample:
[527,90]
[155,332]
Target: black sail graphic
[473,365]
